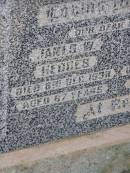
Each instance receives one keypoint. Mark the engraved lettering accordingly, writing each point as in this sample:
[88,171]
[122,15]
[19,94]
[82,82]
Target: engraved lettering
[102,108]
[61,97]
[73,80]
[89,31]
[65,50]
[64,67]
[73,11]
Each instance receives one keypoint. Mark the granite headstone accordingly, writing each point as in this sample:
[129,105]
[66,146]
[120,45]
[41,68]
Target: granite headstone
[64,69]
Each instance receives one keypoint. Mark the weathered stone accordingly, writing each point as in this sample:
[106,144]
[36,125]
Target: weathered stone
[103,152]
[64,69]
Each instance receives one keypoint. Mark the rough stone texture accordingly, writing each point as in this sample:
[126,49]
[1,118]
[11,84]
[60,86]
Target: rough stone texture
[64,69]
[104,152]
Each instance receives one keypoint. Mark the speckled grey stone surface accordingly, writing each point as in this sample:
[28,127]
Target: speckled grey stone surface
[64,69]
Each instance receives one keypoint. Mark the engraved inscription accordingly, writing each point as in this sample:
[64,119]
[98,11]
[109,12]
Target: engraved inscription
[89,31]
[61,97]
[80,10]
[74,79]
[64,67]
[64,50]
[103,108]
